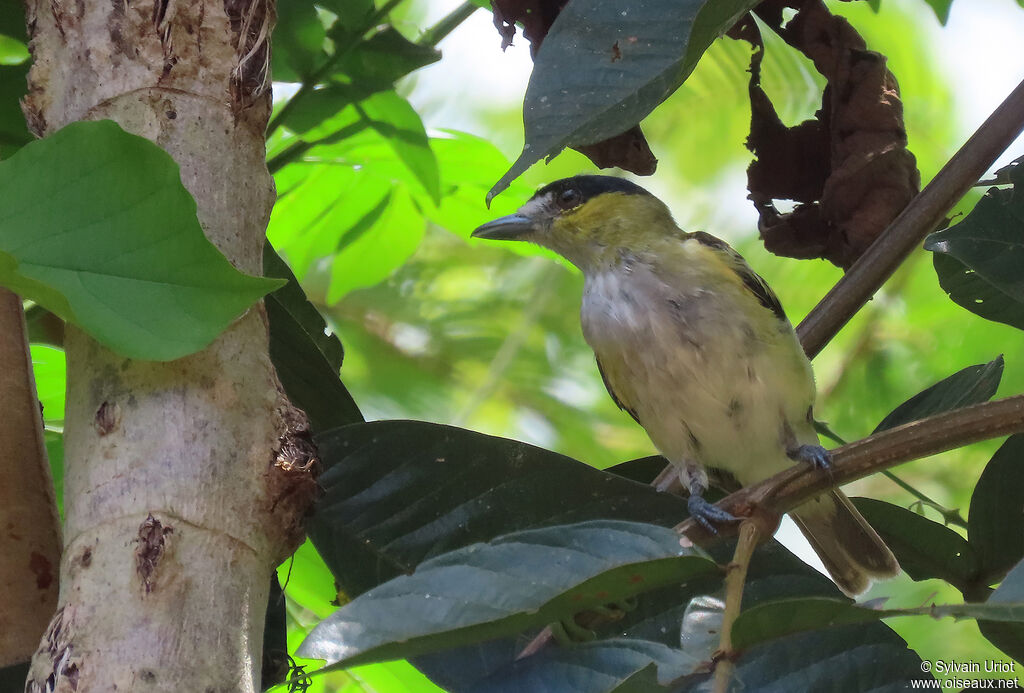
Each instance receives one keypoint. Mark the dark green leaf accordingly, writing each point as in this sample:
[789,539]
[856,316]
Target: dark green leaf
[504,587]
[1009,637]
[398,492]
[924,549]
[12,20]
[326,104]
[604,66]
[941,8]
[385,57]
[851,659]
[616,665]
[778,619]
[970,290]
[971,385]
[306,356]
[995,523]
[99,229]
[13,676]
[275,638]
[14,133]
[988,247]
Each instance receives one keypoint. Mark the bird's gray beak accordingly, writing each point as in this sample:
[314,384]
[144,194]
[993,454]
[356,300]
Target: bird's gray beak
[510,228]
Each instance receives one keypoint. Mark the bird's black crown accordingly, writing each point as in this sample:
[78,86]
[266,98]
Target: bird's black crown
[590,187]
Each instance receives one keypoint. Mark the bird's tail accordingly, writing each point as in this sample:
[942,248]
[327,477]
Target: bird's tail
[849,547]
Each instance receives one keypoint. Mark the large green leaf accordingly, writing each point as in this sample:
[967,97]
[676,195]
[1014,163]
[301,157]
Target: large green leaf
[785,617]
[503,587]
[385,57]
[995,523]
[924,549]
[614,665]
[971,385]
[298,48]
[978,260]
[98,228]
[1009,637]
[398,492]
[604,66]
[306,355]
[399,124]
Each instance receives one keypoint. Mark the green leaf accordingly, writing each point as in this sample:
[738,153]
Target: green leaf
[298,48]
[603,68]
[972,385]
[503,587]
[14,132]
[99,229]
[399,492]
[970,290]
[397,121]
[12,20]
[1008,637]
[978,260]
[941,8]
[995,523]
[615,665]
[306,356]
[385,57]
[51,381]
[924,549]
[778,619]
[369,253]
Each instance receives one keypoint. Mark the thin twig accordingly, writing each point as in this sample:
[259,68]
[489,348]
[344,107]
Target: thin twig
[791,487]
[735,579]
[447,24]
[919,218]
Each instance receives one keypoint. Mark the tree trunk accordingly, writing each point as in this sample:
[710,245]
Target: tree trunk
[178,502]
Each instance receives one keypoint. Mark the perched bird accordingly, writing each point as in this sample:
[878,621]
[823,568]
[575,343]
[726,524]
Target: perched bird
[697,349]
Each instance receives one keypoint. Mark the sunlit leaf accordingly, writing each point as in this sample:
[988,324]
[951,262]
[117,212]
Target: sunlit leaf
[400,125]
[603,67]
[503,587]
[368,254]
[51,381]
[99,230]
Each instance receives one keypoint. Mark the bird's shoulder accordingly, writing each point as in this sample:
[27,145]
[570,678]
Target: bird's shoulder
[731,261]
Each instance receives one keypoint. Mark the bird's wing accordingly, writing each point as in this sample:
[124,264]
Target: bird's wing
[751,279]
[615,397]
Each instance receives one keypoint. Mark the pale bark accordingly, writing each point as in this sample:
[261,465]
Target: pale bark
[29,525]
[178,500]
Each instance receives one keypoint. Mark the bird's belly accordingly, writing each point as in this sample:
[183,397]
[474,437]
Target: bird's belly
[709,392]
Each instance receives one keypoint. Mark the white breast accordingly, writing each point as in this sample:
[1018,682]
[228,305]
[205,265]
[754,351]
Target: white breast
[708,384]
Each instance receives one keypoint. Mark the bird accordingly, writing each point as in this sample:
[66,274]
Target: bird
[697,348]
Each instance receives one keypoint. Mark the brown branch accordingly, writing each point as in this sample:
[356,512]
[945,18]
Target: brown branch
[788,489]
[907,230]
[735,579]
[31,540]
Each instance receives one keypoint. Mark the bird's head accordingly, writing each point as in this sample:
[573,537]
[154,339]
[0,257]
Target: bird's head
[589,220]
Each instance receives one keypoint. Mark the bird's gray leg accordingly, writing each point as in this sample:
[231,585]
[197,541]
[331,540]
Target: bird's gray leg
[814,455]
[706,514]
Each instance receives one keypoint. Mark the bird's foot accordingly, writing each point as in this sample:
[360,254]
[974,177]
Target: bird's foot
[708,514]
[814,455]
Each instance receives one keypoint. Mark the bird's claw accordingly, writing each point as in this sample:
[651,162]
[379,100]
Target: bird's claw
[708,514]
[814,455]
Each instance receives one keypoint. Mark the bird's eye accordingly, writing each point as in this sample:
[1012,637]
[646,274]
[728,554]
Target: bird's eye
[569,198]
